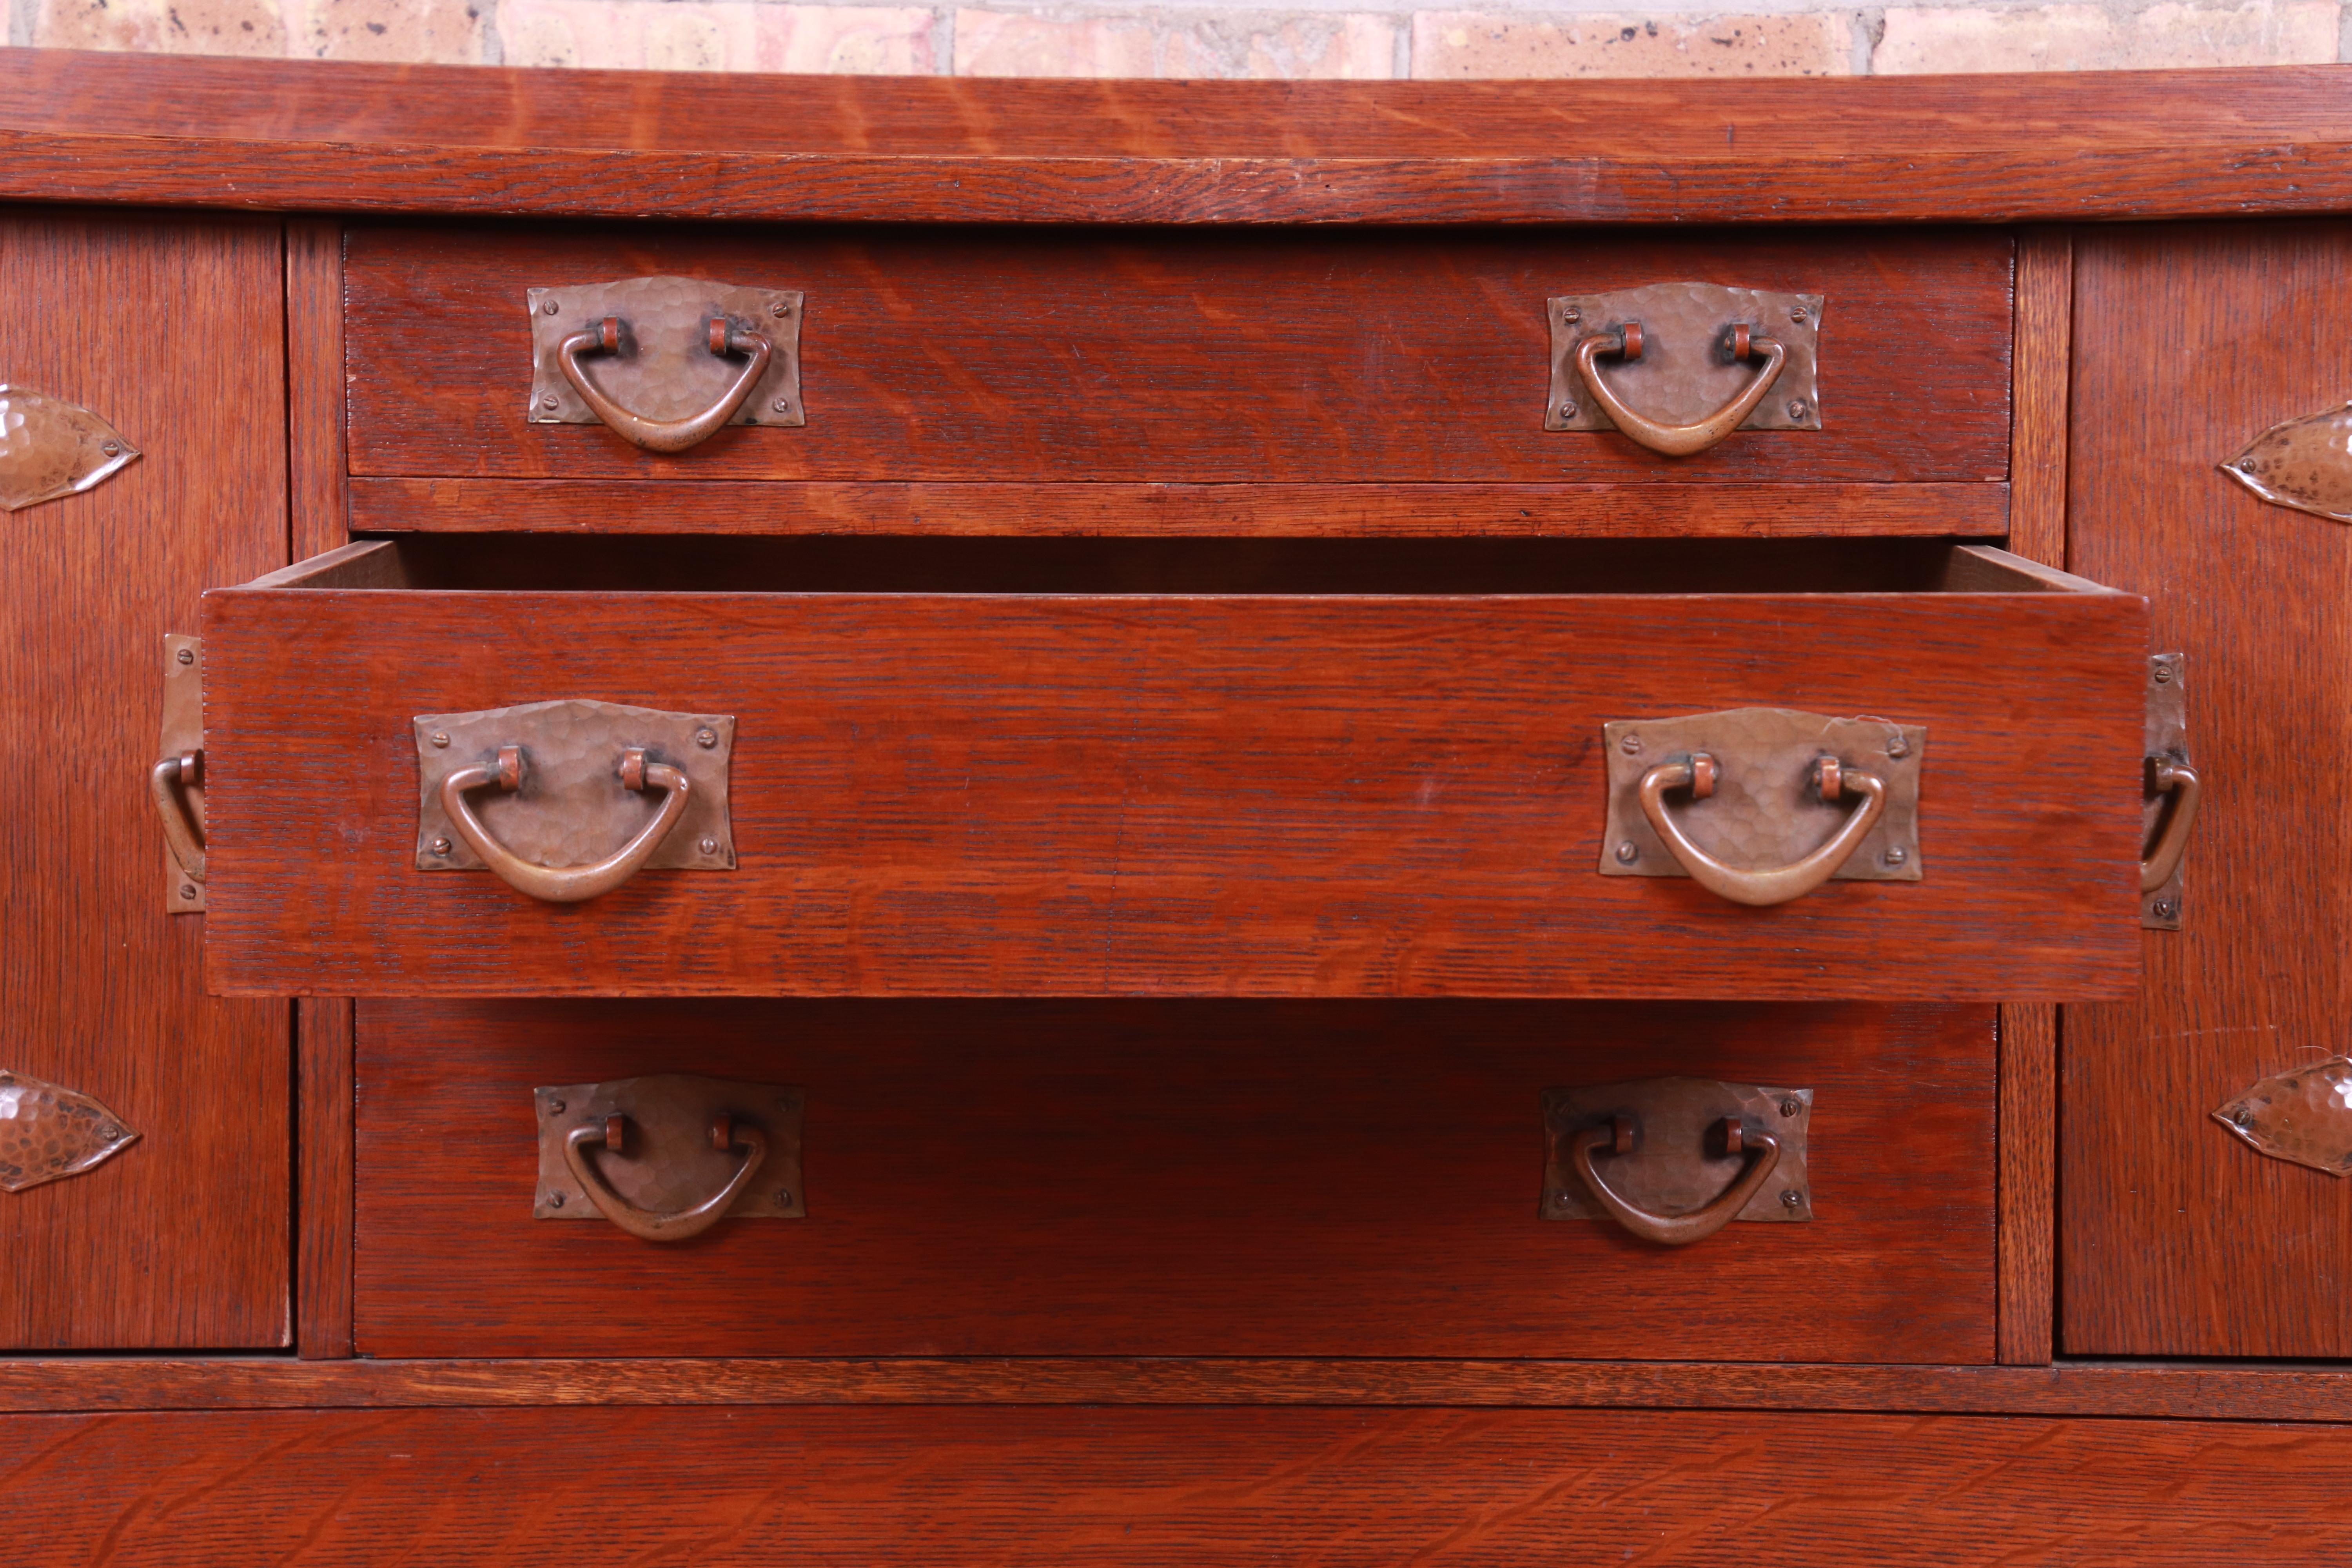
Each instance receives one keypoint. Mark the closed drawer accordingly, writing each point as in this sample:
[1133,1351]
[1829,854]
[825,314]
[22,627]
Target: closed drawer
[1197,1178]
[974,381]
[1090,792]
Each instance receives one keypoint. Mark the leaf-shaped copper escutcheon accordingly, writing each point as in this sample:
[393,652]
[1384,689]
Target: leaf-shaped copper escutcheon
[2304,1116]
[47,1133]
[50,448]
[2305,463]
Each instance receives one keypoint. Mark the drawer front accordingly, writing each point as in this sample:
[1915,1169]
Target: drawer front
[1197,1178]
[974,795]
[1403,357]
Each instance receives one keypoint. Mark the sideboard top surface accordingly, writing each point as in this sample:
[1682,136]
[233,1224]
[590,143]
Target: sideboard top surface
[284,135]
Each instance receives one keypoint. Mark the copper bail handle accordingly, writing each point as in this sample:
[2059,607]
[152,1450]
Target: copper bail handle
[565,884]
[643,1224]
[1781,884]
[167,782]
[666,435]
[1678,441]
[2163,858]
[1763,1153]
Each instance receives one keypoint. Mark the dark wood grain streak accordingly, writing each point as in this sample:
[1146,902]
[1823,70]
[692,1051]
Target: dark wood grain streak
[1175,1178]
[305,136]
[2179,1239]
[2134,1389]
[1048,508]
[2029,1033]
[170,330]
[1157,1488]
[1236,357]
[1160,794]
[317,494]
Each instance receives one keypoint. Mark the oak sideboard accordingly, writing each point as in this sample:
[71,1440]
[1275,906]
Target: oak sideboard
[880,821]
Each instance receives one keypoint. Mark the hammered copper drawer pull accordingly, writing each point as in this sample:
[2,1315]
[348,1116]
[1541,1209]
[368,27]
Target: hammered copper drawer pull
[565,884]
[1625,342]
[1763,1155]
[1779,884]
[726,1133]
[667,434]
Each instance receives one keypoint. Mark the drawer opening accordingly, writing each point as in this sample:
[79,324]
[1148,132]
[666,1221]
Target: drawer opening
[683,564]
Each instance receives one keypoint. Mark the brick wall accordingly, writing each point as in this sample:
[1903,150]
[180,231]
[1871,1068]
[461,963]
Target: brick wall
[1200,38]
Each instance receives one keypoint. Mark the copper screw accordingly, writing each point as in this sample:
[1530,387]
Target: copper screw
[1787,1107]
[188,892]
[1631,745]
[1628,852]
[440,738]
[1792,1198]
[440,847]
[783,405]
[1572,315]
[1796,313]
[112,448]
[1567,411]
[780,309]
[705,738]
[1897,856]
[784,1197]
[555,1107]
[549,401]
[2166,909]
[2162,675]
[549,307]
[555,1200]
[711,847]
[1796,409]
[186,655]
[1898,747]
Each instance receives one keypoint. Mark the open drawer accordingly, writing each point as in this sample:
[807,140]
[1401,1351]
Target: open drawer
[1091,768]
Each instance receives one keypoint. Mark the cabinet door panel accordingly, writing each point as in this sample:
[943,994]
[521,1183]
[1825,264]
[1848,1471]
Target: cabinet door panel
[171,331]
[2176,1238]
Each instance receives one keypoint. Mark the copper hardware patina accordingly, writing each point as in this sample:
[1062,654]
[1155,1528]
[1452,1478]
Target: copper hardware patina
[1673,1160]
[50,448]
[1751,803]
[2303,1117]
[1679,367]
[2305,463]
[666,1157]
[2174,790]
[176,781]
[47,1133]
[664,362]
[566,801]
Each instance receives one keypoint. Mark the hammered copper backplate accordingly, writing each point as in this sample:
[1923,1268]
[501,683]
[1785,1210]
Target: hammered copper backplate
[1686,372]
[572,808]
[2167,738]
[1765,811]
[665,369]
[183,731]
[2303,1117]
[1677,1166]
[49,1132]
[670,1165]
[50,448]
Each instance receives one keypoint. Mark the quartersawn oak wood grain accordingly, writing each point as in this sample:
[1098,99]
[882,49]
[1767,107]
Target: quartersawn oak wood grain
[1142,1489]
[2207,1391]
[2178,1240]
[312,136]
[170,330]
[1175,1179]
[1045,507]
[1203,357]
[1170,794]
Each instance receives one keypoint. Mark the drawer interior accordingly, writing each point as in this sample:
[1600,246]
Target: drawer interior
[626,564]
